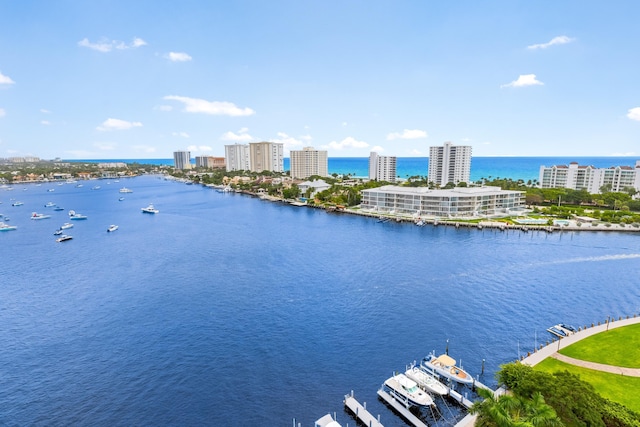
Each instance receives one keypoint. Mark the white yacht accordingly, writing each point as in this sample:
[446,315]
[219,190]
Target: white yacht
[112,228]
[426,381]
[150,209]
[75,216]
[445,366]
[126,190]
[7,227]
[64,238]
[407,391]
[66,225]
[36,215]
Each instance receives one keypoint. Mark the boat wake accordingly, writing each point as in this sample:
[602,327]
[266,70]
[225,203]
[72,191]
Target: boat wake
[596,259]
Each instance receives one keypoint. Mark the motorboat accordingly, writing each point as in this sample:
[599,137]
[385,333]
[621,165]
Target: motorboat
[96,187]
[58,208]
[112,228]
[562,330]
[407,391]
[66,225]
[445,366]
[126,190]
[36,215]
[57,232]
[64,238]
[75,216]
[426,381]
[121,199]
[17,204]
[150,209]
[49,205]
[7,227]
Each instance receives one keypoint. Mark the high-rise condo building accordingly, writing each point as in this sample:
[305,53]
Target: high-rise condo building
[449,163]
[182,160]
[590,178]
[209,162]
[237,157]
[266,156]
[308,162]
[382,168]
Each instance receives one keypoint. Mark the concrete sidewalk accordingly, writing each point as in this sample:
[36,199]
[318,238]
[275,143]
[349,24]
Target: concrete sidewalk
[630,372]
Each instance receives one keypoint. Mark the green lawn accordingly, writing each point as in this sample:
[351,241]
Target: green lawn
[618,347]
[614,387]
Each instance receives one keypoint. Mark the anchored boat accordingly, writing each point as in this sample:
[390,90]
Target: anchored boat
[426,381]
[445,366]
[407,391]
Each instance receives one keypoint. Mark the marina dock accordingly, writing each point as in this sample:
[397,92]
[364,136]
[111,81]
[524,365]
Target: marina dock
[360,412]
[400,408]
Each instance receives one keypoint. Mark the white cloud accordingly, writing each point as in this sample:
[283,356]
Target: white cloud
[377,149]
[163,108]
[117,124]
[195,105]
[106,45]
[407,134]
[196,148]
[307,138]
[5,80]
[2,112]
[348,142]
[238,137]
[290,143]
[416,152]
[180,134]
[634,114]
[45,111]
[524,80]
[555,40]
[178,57]
[45,122]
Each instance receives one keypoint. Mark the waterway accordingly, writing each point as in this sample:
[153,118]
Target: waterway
[224,310]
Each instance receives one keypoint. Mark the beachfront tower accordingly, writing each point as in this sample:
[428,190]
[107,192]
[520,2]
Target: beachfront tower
[182,160]
[308,162]
[382,168]
[266,156]
[449,163]
[237,157]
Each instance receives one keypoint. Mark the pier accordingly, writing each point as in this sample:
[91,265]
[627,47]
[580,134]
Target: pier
[401,409]
[360,412]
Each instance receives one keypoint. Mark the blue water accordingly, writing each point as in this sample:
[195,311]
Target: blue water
[525,168]
[226,310]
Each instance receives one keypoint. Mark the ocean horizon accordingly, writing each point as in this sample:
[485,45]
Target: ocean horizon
[514,167]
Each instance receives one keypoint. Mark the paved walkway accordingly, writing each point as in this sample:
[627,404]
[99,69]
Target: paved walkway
[630,372]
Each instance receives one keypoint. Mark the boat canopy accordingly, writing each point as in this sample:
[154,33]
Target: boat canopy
[446,360]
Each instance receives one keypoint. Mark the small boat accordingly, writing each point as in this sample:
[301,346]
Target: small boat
[79,186]
[7,227]
[126,190]
[407,391]
[64,238]
[66,225]
[58,208]
[562,330]
[17,204]
[57,232]
[445,366]
[121,199]
[75,216]
[95,187]
[568,327]
[426,381]
[49,205]
[112,228]
[36,215]
[51,190]
[150,209]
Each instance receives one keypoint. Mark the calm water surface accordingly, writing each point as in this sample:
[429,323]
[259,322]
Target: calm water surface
[225,310]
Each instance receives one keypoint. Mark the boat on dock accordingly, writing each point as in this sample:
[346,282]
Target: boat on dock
[407,391]
[426,381]
[561,330]
[445,366]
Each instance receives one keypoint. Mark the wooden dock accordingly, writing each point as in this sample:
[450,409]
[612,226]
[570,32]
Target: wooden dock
[360,412]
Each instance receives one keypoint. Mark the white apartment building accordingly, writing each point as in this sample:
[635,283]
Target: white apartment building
[449,163]
[266,156]
[382,168]
[590,178]
[182,160]
[308,162]
[455,203]
[237,157]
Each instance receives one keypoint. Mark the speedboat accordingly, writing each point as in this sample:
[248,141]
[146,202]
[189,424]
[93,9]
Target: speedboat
[426,381]
[7,227]
[57,232]
[445,366]
[126,190]
[112,227]
[407,391]
[36,215]
[17,204]
[75,216]
[49,205]
[97,187]
[66,225]
[121,199]
[64,238]
[58,208]
[150,209]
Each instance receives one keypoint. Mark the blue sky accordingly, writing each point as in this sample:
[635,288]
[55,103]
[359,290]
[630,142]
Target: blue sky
[141,79]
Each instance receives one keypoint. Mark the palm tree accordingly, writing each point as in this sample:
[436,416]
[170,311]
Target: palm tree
[514,411]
